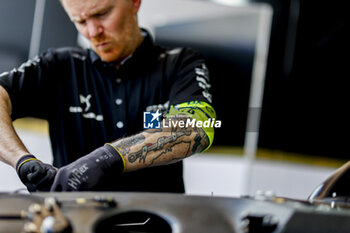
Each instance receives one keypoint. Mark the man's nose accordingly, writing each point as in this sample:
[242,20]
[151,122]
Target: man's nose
[94,28]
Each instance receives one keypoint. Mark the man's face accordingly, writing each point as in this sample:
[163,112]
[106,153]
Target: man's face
[109,25]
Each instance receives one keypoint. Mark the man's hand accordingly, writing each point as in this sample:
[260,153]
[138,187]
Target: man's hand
[93,172]
[35,175]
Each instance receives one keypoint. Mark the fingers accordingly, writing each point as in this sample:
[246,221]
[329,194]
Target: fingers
[46,181]
[37,176]
[35,171]
[69,178]
[57,186]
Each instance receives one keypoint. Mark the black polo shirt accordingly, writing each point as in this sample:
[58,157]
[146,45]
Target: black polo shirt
[88,102]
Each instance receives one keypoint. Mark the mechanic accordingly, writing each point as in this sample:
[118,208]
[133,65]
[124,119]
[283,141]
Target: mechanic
[95,101]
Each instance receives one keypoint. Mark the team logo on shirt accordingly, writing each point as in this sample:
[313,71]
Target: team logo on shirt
[84,109]
[151,120]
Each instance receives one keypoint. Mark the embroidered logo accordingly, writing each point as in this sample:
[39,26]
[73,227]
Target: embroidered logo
[84,108]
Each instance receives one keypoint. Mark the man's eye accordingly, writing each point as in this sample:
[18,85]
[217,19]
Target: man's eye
[81,22]
[103,13]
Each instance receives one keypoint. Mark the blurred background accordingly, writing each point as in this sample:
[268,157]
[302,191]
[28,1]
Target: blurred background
[278,70]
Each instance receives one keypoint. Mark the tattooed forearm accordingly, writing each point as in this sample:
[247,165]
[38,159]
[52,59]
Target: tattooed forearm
[124,145]
[200,139]
[160,146]
[174,159]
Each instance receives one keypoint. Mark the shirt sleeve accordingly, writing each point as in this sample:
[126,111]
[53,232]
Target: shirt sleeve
[27,87]
[190,92]
[191,78]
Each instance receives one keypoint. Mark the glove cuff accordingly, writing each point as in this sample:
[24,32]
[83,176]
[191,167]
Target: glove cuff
[115,151]
[23,160]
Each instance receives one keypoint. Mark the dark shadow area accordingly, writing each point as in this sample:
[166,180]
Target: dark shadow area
[306,95]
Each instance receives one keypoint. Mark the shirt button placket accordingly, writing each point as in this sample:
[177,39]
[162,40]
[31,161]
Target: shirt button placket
[120,124]
[118,101]
[118,80]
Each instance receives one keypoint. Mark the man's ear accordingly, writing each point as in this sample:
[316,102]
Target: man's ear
[136,5]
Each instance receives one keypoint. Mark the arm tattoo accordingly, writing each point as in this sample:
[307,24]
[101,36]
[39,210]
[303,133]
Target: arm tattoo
[161,146]
[200,139]
[174,159]
[124,145]
[161,142]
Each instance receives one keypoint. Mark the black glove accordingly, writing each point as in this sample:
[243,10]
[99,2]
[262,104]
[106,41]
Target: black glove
[34,174]
[93,172]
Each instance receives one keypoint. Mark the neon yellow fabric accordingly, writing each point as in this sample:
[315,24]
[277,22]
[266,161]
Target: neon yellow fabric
[198,110]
